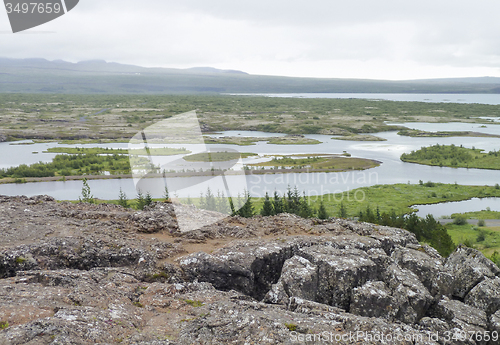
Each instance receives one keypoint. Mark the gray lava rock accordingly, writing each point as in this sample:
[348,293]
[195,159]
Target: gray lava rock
[82,273]
[221,273]
[429,269]
[469,267]
[340,271]
[411,296]
[299,278]
[373,300]
[461,317]
[485,295]
[157,217]
[495,327]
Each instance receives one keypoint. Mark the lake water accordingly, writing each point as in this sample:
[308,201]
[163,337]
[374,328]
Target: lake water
[448,208]
[408,97]
[391,171]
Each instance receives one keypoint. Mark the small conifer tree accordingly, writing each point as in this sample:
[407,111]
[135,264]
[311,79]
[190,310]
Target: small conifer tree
[246,210]
[122,199]
[166,195]
[148,200]
[86,193]
[322,213]
[267,208]
[141,201]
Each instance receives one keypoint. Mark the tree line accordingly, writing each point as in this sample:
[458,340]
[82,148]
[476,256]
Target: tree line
[290,202]
[426,229]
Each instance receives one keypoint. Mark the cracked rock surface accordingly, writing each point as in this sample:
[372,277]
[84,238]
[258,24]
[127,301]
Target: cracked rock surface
[102,274]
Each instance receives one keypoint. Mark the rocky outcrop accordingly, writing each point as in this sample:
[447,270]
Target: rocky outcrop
[469,267]
[485,295]
[80,274]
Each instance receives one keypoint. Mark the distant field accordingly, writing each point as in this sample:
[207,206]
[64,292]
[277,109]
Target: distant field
[484,214]
[401,197]
[485,239]
[115,118]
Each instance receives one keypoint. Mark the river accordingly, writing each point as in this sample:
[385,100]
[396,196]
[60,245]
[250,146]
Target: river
[392,170]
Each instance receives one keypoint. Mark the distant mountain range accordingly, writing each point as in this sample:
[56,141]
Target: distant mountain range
[101,77]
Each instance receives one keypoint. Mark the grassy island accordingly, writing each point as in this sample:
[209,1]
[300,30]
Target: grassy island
[454,157]
[286,140]
[417,133]
[319,162]
[217,156]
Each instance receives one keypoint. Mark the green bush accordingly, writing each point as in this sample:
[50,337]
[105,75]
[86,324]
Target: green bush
[481,237]
[468,243]
[460,220]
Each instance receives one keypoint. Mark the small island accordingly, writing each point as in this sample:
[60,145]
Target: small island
[360,137]
[292,139]
[424,134]
[217,156]
[315,163]
[454,157]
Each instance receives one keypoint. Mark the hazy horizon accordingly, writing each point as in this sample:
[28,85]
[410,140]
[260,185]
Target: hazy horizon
[229,70]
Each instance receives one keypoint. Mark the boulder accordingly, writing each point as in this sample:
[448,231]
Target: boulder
[299,278]
[428,269]
[157,217]
[469,267]
[411,296]
[339,272]
[485,295]
[223,274]
[373,300]
[461,317]
[257,265]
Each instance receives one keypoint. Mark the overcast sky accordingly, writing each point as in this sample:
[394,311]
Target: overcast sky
[385,39]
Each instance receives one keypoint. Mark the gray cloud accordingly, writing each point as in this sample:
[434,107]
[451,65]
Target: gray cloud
[358,38]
